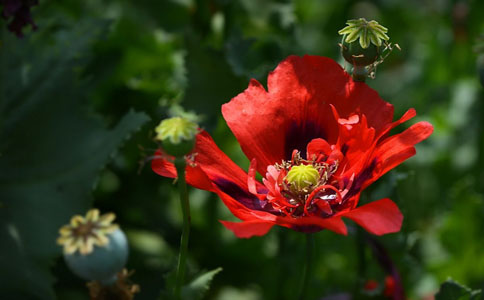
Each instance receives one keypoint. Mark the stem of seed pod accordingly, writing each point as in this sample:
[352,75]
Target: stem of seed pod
[307,266]
[360,73]
[180,166]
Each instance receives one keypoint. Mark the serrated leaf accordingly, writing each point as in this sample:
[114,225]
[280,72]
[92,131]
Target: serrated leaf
[51,152]
[211,81]
[199,286]
[451,290]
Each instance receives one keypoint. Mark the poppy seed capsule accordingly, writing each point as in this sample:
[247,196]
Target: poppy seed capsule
[359,56]
[177,136]
[103,263]
[302,176]
[362,40]
[94,247]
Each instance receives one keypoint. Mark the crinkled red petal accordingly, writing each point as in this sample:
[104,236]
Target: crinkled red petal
[395,149]
[269,125]
[378,217]
[318,148]
[258,227]
[211,165]
[248,229]
[313,224]
[162,165]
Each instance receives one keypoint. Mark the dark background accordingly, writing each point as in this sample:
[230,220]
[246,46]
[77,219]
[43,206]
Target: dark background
[80,97]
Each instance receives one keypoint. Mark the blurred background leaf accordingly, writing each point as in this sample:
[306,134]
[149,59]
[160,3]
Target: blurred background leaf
[451,290]
[51,151]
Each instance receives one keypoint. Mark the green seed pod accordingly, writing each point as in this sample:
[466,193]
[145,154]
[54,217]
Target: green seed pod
[103,263]
[177,136]
[178,149]
[302,176]
[361,45]
[359,56]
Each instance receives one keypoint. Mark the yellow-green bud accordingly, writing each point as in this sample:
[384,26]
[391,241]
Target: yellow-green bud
[302,176]
[177,135]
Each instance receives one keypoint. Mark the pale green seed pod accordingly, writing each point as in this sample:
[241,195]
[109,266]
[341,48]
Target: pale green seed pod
[177,136]
[302,176]
[94,247]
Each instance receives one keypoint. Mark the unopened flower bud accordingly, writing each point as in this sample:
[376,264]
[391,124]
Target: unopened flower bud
[94,247]
[177,135]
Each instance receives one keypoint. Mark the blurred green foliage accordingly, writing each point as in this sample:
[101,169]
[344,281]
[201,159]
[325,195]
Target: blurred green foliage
[451,290]
[74,90]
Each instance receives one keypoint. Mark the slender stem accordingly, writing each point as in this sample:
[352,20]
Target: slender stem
[180,165]
[307,266]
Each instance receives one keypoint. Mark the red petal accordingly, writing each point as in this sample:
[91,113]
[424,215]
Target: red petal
[318,147]
[334,224]
[194,175]
[251,182]
[211,164]
[409,114]
[327,79]
[295,109]
[248,229]
[378,217]
[396,149]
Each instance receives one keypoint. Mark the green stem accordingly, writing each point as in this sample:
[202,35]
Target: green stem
[307,266]
[180,165]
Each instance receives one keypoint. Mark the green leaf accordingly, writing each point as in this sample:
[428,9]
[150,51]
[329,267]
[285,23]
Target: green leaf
[195,290]
[451,290]
[199,286]
[51,151]
[211,81]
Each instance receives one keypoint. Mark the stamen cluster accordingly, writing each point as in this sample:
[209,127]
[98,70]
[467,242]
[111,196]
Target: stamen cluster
[303,194]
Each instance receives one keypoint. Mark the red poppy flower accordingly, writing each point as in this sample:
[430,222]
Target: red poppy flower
[315,117]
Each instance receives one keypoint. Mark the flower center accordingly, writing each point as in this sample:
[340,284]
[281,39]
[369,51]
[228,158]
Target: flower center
[302,187]
[301,178]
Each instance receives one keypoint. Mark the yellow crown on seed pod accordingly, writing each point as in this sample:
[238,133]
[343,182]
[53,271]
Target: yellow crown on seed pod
[176,129]
[84,233]
[366,31]
[302,176]
[177,135]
